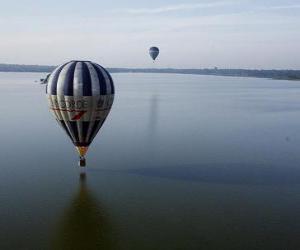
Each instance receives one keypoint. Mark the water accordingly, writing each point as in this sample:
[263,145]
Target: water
[182,162]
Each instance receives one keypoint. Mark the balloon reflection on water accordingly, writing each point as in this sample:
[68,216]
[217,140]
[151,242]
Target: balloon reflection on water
[84,224]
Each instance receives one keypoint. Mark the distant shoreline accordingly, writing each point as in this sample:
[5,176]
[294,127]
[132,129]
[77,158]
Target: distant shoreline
[270,74]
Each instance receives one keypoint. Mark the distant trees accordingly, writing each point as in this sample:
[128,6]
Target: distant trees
[25,68]
[274,74]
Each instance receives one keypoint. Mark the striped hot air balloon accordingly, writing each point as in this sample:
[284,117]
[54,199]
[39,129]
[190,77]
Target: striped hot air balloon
[154,52]
[80,95]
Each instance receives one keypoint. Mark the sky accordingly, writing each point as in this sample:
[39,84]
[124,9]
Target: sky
[255,34]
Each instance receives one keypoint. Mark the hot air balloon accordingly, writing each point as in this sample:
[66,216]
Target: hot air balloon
[80,95]
[154,52]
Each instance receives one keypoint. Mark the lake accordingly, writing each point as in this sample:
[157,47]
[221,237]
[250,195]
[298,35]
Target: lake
[183,162]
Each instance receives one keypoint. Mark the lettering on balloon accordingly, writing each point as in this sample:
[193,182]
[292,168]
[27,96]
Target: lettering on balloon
[70,104]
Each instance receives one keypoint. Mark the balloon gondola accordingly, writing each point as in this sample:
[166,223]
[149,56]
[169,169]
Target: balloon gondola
[80,95]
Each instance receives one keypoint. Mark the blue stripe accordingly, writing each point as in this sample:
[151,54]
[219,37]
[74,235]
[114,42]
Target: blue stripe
[63,125]
[111,82]
[85,128]
[154,49]
[87,82]
[74,131]
[102,82]
[96,128]
[68,84]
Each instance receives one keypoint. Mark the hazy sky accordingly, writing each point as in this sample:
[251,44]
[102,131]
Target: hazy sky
[118,33]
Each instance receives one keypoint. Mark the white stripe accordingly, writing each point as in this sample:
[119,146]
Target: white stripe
[53,101]
[61,79]
[94,106]
[92,118]
[66,117]
[78,80]
[95,92]
[79,122]
[94,79]
[80,134]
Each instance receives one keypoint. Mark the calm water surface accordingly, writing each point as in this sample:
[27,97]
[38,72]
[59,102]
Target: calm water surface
[182,162]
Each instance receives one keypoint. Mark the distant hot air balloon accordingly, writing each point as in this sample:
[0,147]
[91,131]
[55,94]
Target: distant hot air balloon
[154,52]
[80,95]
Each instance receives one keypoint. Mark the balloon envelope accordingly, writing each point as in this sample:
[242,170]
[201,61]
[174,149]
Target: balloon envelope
[80,96]
[154,52]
